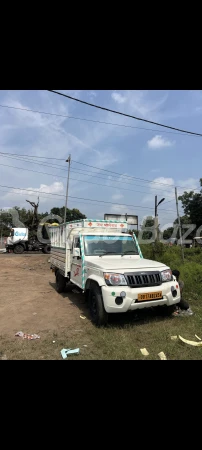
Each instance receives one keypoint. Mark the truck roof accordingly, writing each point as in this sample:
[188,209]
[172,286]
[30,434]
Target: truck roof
[101,224]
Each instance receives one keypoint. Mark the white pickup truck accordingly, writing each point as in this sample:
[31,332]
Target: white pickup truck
[106,263]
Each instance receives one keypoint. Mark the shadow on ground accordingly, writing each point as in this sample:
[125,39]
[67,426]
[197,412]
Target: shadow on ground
[77,300]
[144,315]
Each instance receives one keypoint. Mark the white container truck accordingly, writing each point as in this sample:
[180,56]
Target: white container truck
[19,242]
[106,263]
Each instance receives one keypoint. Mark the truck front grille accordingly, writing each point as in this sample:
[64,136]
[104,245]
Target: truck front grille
[138,279]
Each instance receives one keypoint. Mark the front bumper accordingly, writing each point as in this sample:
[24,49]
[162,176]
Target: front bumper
[130,302]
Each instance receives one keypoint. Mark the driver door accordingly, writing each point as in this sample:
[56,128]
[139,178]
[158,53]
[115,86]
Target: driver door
[76,269]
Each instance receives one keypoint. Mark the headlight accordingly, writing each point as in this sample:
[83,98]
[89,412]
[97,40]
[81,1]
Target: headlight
[115,279]
[166,275]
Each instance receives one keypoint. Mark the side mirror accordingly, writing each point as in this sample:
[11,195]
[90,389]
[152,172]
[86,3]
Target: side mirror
[76,252]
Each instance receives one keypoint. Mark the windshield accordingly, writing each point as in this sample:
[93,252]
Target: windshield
[109,245]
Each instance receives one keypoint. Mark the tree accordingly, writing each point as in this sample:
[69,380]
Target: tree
[72,214]
[5,223]
[148,222]
[167,234]
[192,205]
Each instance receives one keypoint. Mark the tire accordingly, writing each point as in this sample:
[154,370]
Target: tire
[46,249]
[170,310]
[60,283]
[98,314]
[18,249]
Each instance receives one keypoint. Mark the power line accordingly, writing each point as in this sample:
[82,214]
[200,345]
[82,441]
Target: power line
[34,156]
[76,179]
[42,196]
[128,176]
[88,165]
[75,171]
[79,198]
[96,175]
[33,161]
[123,114]
[30,170]
[91,120]
[59,167]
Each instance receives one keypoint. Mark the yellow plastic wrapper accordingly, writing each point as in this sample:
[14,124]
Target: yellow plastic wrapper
[162,356]
[144,351]
[194,343]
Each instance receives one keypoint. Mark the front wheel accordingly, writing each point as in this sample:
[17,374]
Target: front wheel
[60,283]
[46,249]
[98,314]
[18,249]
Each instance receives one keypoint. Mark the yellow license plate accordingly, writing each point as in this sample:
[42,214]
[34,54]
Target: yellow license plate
[149,296]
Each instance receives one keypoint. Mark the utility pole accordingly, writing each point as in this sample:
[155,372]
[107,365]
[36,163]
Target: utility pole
[155,221]
[1,232]
[69,162]
[179,222]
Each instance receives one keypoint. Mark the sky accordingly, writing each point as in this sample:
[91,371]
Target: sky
[148,159]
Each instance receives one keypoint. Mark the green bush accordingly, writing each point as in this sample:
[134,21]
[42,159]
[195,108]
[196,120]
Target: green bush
[190,270]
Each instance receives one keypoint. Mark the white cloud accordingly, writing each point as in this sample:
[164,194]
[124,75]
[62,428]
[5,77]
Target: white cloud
[117,197]
[55,188]
[118,209]
[187,185]
[118,97]
[159,142]
[158,183]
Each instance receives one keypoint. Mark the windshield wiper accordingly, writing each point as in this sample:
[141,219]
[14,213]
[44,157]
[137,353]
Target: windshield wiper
[107,253]
[130,251]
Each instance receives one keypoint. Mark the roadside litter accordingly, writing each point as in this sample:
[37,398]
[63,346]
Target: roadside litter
[183,312]
[162,356]
[82,316]
[173,338]
[194,343]
[144,351]
[30,337]
[68,351]
[197,337]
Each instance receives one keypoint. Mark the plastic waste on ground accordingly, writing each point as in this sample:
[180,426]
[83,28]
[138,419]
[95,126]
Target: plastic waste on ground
[68,351]
[144,351]
[30,337]
[197,337]
[162,356]
[194,343]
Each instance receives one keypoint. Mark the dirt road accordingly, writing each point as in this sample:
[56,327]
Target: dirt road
[29,301]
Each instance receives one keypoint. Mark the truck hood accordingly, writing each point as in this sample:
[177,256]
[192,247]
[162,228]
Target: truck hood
[124,264]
